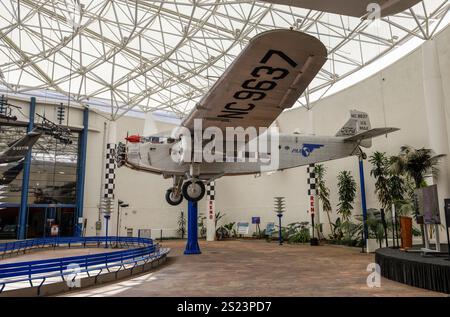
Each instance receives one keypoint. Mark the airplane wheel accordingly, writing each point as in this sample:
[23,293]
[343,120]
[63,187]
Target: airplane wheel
[172,199]
[193,191]
[364,156]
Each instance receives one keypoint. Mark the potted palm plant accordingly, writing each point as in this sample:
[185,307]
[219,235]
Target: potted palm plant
[418,164]
[389,187]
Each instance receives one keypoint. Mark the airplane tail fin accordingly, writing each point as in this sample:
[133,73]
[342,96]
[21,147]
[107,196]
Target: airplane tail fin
[20,147]
[358,122]
[358,129]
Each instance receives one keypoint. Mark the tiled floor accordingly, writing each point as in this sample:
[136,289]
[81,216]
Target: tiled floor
[257,268]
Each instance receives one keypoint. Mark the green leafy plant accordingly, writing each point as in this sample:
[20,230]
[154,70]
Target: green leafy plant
[347,193]
[324,191]
[380,171]
[181,225]
[374,225]
[296,232]
[231,230]
[416,163]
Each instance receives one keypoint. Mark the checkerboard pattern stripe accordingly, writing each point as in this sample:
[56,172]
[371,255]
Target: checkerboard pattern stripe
[110,171]
[312,181]
[211,190]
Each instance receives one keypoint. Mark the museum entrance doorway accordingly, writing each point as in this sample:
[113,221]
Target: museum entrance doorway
[41,219]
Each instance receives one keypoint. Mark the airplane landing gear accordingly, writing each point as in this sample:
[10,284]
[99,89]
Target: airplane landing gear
[361,154]
[193,190]
[172,198]
[173,194]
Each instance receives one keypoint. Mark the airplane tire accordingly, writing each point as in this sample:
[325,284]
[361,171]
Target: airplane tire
[193,191]
[170,199]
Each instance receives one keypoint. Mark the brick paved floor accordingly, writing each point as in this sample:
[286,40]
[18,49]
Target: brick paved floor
[257,268]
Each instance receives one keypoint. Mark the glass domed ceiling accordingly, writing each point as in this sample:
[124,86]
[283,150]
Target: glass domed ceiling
[164,55]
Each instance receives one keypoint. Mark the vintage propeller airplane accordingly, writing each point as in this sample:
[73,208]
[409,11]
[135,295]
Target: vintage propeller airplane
[269,75]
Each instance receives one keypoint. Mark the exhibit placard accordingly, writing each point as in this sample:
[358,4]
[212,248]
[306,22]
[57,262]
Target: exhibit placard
[242,227]
[270,228]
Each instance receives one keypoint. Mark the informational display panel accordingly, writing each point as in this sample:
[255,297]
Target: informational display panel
[242,227]
[270,228]
[427,204]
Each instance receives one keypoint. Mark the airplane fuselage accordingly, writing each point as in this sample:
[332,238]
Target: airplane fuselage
[292,150]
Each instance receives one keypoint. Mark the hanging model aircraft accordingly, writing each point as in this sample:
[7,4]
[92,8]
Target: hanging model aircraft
[356,8]
[17,150]
[269,75]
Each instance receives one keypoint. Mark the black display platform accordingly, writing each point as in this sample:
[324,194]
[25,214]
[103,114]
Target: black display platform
[428,272]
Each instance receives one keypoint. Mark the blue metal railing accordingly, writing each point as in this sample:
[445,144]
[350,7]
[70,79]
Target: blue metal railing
[143,251]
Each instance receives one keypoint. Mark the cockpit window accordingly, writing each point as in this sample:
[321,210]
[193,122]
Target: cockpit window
[158,140]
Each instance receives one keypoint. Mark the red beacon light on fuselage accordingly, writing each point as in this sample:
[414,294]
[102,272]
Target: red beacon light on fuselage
[133,139]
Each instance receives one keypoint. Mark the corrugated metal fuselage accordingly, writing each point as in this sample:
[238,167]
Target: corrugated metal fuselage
[291,151]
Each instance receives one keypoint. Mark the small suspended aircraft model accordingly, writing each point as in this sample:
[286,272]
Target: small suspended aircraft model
[17,150]
[227,131]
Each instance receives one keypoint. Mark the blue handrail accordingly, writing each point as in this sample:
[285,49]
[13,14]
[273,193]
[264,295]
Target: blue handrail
[31,270]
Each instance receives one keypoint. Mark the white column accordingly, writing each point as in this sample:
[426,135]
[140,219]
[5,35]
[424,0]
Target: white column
[436,116]
[110,176]
[210,211]
[312,131]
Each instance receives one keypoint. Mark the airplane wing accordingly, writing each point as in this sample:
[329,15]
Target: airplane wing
[356,8]
[268,76]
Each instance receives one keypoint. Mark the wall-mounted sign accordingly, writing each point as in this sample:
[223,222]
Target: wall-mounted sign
[242,227]
[256,220]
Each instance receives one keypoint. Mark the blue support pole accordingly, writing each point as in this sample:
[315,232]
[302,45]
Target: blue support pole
[23,211]
[363,198]
[81,172]
[280,236]
[192,242]
[106,230]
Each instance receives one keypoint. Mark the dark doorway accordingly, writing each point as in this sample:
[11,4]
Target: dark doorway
[8,222]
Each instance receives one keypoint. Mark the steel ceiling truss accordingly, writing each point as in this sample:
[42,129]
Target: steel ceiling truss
[164,55]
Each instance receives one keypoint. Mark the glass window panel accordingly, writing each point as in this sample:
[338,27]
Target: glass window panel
[53,175]
[11,174]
